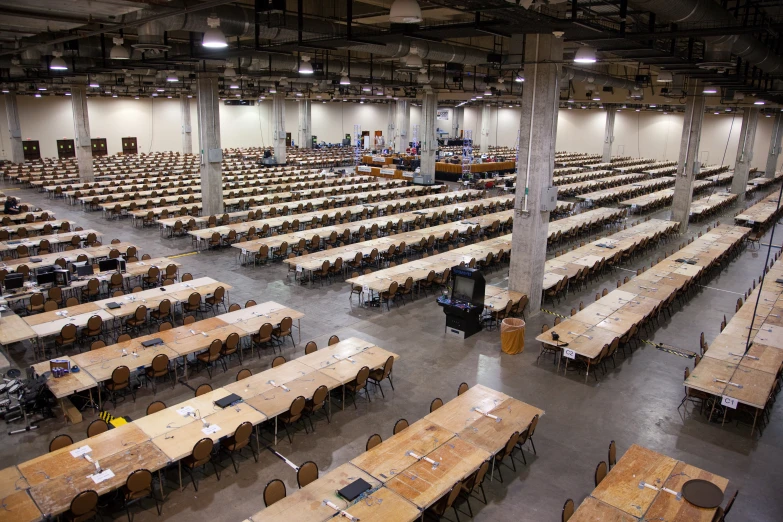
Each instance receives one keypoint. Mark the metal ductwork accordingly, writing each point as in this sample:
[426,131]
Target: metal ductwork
[747,47]
[436,52]
[603,80]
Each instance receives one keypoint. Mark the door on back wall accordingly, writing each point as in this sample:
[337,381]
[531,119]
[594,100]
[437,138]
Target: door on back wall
[287,139]
[32,150]
[99,147]
[65,149]
[378,139]
[129,146]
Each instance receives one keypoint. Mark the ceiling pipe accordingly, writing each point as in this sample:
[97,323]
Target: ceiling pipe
[604,80]
[750,49]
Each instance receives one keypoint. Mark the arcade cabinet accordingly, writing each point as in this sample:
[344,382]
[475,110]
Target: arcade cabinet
[464,308]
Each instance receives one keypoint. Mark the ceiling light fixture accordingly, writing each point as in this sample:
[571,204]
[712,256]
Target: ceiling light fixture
[305,67]
[172,77]
[405,12]
[488,92]
[57,63]
[272,90]
[214,37]
[585,54]
[665,77]
[759,102]
[344,80]
[519,78]
[710,90]
[412,59]
[119,51]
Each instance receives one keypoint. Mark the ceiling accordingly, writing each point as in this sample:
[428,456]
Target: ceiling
[466,47]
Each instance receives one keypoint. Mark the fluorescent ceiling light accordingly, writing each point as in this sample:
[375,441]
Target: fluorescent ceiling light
[214,37]
[94,85]
[758,102]
[57,63]
[585,55]
[233,86]
[172,77]
[488,92]
[519,78]
[405,12]
[344,80]
[710,90]
[272,90]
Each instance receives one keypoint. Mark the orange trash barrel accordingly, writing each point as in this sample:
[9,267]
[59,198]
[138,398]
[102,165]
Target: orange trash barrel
[512,335]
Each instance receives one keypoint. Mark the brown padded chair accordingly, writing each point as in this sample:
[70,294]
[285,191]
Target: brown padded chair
[377,376]
[278,361]
[506,452]
[59,442]
[84,506]
[234,307]
[139,486]
[67,336]
[333,340]
[123,338]
[97,427]
[600,472]
[159,368]
[274,491]
[119,382]
[568,510]
[284,330]
[308,472]
[316,404]
[155,407]
[612,454]
[373,441]
[244,373]
[263,337]
[294,414]
[446,501]
[359,384]
[399,426]
[200,457]
[462,388]
[97,345]
[237,442]
[475,480]
[209,356]
[204,388]
[310,347]
[435,404]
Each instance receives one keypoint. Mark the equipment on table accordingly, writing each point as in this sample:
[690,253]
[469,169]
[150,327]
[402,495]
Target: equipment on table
[464,308]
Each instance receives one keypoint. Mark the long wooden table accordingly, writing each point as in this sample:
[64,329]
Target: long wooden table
[761,214]
[620,497]
[615,314]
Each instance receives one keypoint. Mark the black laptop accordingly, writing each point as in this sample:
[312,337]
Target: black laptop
[353,490]
[113,306]
[152,342]
[227,401]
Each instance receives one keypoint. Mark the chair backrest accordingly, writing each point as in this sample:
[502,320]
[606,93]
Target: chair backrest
[307,473]
[120,375]
[435,404]
[310,347]
[189,319]
[84,503]
[202,449]
[274,491]
[123,338]
[400,425]
[373,441]
[97,427]
[297,405]
[277,361]
[568,510]
[139,481]
[59,442]
[160,362]
[462,388]
[612,454]
[244,373]
[600,472]
[155,407]
[333,340]
[204,388]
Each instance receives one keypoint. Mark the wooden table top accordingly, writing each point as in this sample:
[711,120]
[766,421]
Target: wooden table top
[667,507]
[14,329]
[423,483]
[308,503]
[68,384]
[175,417]
[390,458]
[760,212]
[593,510]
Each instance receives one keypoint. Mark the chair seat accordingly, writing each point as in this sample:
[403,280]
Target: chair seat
[112,386]
[205,357]
[258,340]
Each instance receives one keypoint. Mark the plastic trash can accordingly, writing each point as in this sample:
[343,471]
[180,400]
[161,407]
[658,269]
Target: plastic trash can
[512,335]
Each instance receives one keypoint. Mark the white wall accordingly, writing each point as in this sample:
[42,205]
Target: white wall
[155,122]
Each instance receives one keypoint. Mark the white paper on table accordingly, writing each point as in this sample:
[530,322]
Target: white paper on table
[212,428]
[186,411]
[78,452]
[102,476]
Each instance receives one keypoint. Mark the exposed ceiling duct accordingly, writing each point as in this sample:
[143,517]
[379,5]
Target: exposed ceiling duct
[603,80]
[709,12]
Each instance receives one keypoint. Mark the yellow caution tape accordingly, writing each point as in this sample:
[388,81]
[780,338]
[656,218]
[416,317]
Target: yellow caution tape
[550,312]
[671,349]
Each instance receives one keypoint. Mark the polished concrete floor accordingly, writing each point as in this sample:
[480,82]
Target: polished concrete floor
[634,403]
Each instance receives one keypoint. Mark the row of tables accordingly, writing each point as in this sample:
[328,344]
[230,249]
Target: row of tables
[46,484]
[734,375]
[761,214]
[456,436]
[615,314]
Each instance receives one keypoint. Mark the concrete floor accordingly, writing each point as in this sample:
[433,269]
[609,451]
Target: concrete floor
[635,403]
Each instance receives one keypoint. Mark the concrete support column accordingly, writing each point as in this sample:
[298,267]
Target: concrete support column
[305,124]
[403,125]
[208,104]
[187,129]
[486,117]
[608,134]
[688,163]
[538,127]
[391,109]
[14,128]
[456,121]
[750,120]
[774,146]
[81,132]
[427,133]
[278,126]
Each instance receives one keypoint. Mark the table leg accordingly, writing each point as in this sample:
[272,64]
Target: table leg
[711,410]
[299,327]
[258,445]
[160,483]
[343,397]
[725,412]
[179,463]
[755,415]
[275,430]
[587,372]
